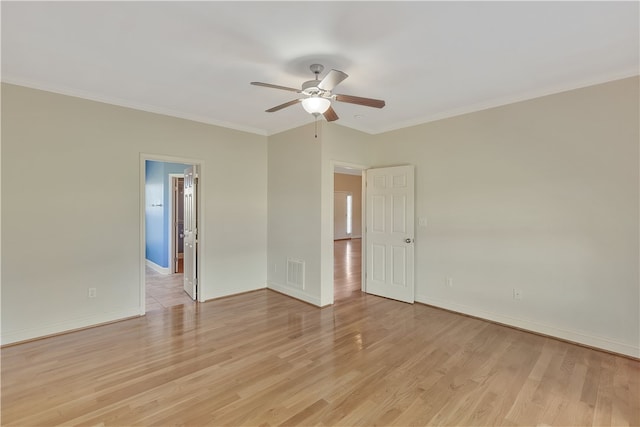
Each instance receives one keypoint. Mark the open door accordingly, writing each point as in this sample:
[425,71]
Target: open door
[177,226]
[390,232]
[190,242]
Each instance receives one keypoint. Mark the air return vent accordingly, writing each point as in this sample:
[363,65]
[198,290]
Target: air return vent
[295,273]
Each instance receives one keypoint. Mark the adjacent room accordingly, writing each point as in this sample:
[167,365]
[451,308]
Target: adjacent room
[165,235]
[320,213]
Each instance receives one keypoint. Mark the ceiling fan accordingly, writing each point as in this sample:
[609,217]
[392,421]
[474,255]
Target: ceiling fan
[317,94]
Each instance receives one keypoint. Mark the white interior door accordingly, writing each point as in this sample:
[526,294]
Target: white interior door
[390,232]
[190,242]
[340,215]
[177,227]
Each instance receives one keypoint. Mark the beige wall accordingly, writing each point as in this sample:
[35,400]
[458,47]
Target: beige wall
[346,147]
[71,208]
[353,185]
[294,210]
[540,196]
[301,187]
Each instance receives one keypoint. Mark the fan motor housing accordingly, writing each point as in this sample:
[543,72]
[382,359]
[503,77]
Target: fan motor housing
[310,87]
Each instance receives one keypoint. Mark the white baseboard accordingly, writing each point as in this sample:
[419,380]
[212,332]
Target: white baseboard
[541,328]
[294,293]
[18,335]
[162,270]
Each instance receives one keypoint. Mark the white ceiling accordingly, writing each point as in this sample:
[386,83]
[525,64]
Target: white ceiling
[428,60]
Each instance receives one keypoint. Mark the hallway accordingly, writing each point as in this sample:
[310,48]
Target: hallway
[164,290]
[347,275]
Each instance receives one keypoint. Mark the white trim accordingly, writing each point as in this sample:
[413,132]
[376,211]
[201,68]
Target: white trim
[47,328]
[493,103]
[363,237]
[295,293]
[500,102]
[128,104]
[347,171]
[579,337]
[152,265]
[201,225]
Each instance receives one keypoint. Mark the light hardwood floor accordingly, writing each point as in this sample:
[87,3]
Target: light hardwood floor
[347,269]
[265,359]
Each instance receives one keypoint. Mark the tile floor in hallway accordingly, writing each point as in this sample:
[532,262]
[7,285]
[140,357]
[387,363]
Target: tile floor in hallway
[164,290]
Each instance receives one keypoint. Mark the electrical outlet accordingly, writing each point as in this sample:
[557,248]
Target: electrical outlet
[92,293]
[275,267]
[517,294]
[449,281]
[422,222]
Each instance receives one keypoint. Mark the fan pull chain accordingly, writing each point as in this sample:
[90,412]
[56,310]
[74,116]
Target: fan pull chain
[316,115]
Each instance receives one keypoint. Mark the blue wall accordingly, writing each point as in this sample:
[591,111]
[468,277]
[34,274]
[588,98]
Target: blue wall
[157,190]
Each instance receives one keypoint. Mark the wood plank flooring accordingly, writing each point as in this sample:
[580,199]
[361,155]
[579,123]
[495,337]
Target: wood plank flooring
[347,276]
[165,290]
[263,359]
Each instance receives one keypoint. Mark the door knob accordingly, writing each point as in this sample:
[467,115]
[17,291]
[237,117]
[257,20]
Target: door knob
[408,240]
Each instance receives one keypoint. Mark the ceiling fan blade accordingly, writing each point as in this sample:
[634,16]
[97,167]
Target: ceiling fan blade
[281,106]
[332,79]
[330,115]
[368,102]
[276,87]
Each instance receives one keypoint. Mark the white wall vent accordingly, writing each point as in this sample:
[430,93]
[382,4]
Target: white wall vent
[295,273]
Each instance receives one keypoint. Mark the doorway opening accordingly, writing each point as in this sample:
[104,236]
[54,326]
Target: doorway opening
[347,236]
[164,206]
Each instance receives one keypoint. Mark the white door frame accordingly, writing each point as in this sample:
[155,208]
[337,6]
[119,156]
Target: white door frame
[201,250]
[326,253]
[172,232]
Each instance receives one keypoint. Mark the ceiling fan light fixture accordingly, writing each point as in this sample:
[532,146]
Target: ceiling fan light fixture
[316,95]
[316,105]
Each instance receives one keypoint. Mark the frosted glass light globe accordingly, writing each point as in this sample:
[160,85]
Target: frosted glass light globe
[316,105]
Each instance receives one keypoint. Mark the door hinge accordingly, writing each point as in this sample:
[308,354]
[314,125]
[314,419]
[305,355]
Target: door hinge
[195,282]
